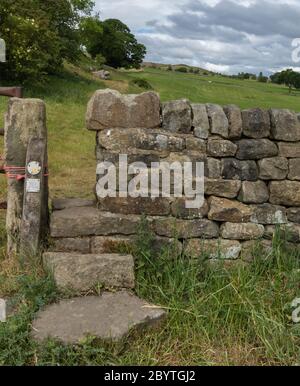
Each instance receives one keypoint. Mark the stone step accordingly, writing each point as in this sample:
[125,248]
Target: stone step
[82,272]
[110,316]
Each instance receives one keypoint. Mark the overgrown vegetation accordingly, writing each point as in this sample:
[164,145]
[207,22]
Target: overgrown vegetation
[238,315]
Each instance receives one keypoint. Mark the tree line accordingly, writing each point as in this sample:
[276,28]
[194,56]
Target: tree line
[41,34]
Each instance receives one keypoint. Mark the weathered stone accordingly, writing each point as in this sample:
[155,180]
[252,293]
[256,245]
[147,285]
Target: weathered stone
[179,210]
[222,188]
[120,140]
[256,123]
[213,249]
[110,316]
[289,150]
[294,169]
[195,144]
[285,125]
[254,149]
[233,169]
[217,120]
[200,121]
[66,203]
[109,109]
[185,229]
[81,245]
[177,116]
[121,244]
[288,232]
[112,244]
[246,231]
[254,192]
[285,193]
[234,117]
[267,214]
[2,311]
[294,215]
[222,209]
[82,272]
[102,74]
[79,222]
[275,168]
[145,156]
[254,249]
[213,168]
[148,206]
[221,148]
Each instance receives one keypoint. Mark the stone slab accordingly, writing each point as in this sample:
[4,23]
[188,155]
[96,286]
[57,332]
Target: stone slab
[111,316]
[82,272]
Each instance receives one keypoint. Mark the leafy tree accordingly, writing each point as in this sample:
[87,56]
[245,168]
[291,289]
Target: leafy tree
[39,35]
[261,78]
[113,40]
[287,77]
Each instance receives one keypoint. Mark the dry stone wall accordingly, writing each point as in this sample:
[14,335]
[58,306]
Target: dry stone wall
[252,176]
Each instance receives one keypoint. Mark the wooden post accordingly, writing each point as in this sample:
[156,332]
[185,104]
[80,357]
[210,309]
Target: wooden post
[34,194]
[25,119]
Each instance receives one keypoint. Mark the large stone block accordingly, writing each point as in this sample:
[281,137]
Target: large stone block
[289,150]
[200,121]
[179,210]
[218,120]
[221,148]
[82,272]
[233,169]
[275,168]
[294,215]
[256,123]
[288,232]
[196,144]
[254,192]
[255,249]
[222,188]
[254,149]
[234,117]
[66,203]
[246,231]
[148,206]
[111,317]
[177,116]
[222,209]
[78,244]
[213,168]
[294,169]
[285,125]
[109,109]
[79,222]
[285,193]
[214,249]
[120,140]
[267,214]
[185,229]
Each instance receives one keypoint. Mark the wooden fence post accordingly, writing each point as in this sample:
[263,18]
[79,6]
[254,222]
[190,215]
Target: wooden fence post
[25,119]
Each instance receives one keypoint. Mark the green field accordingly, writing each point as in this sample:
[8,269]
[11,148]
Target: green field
[229,316]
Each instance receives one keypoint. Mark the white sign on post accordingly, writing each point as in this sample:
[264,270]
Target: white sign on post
[33,185]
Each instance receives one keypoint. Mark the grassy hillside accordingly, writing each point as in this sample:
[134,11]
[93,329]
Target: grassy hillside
[237,316]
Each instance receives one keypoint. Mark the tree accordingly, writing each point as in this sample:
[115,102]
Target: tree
[261,78]
[113,40]
[39,35]
[287,77]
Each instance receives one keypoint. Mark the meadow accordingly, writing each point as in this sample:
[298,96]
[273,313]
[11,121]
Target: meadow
[223,315]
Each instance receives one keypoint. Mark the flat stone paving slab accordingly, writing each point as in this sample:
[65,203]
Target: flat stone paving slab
[110,316]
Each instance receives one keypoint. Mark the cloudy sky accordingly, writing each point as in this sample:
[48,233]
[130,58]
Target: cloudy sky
[227,36]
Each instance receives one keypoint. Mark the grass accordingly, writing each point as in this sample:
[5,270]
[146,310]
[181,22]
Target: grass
[216,316]
[236,316]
